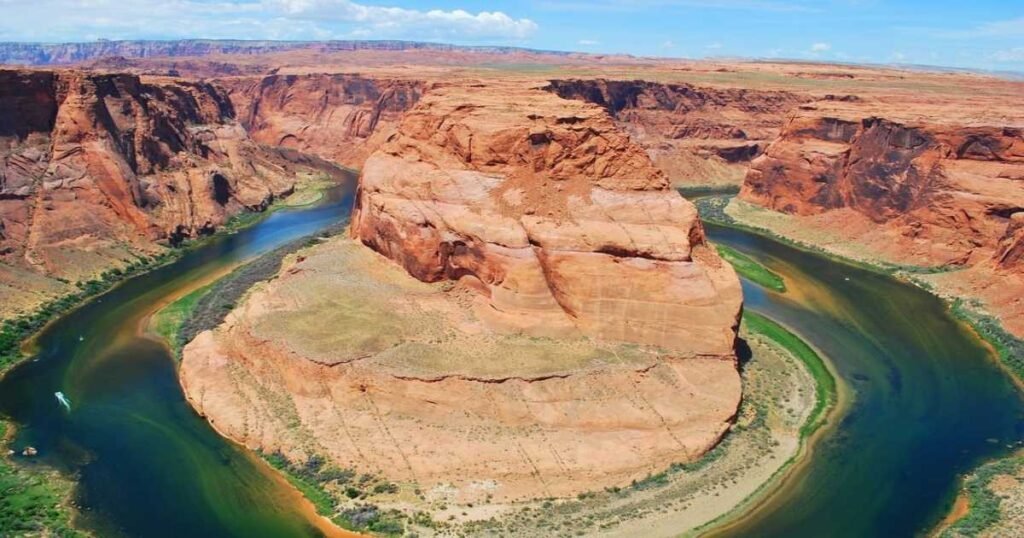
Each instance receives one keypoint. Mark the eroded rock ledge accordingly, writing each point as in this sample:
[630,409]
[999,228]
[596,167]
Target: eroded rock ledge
[555,322]
[561,222]
[696,135]
[96,167]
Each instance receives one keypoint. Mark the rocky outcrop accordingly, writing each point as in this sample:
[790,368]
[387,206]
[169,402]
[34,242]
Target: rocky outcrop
[1010,254]
[96,167]
[698,136]
[338,117]
[567,329]
[346,355]
[951,188]
[560,221]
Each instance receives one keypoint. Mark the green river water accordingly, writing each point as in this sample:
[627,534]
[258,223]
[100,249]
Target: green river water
[928,404]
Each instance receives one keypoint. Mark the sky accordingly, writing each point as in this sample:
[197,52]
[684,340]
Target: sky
[977,34]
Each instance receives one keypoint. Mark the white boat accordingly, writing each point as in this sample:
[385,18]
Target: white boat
[63,400]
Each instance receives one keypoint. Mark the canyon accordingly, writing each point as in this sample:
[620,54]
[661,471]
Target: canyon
[98,169]
[944,193]
[523,306]
[586,334]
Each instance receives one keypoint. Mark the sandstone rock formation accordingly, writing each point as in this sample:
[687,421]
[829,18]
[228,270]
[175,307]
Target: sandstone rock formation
[587,339]
[696,135]
[338,117]
[346,356]
[563,224]
[920,184]
[95,168]
[950,189]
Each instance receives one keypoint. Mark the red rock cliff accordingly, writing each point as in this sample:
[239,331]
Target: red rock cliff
[561,222]
[338,117]
[696,135]
[94,166]
[953,188]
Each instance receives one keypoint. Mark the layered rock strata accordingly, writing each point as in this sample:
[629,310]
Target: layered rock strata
[561,221]
[952,189]
[546,318]
[938,189]
[696,135]
[97,167]
[338,117]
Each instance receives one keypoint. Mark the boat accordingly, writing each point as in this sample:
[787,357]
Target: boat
[63,400]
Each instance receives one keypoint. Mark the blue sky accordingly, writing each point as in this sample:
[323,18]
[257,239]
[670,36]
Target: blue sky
[984,34]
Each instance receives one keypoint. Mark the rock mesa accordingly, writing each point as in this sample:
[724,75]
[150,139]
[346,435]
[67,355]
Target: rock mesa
[546,318]
[561,222]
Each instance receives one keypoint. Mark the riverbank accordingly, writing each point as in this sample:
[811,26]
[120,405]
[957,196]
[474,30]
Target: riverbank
[726,210]
[37,499]
[781,399]
[991,503]
[1007,349]
[830,402]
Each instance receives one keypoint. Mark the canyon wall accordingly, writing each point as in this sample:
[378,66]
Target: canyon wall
[696,135]
[338,117]
[540,314]
[912,184]
[561,221]
[97,167]
[951,190]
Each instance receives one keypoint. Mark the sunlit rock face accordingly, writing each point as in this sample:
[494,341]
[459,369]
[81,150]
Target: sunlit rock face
[560,221]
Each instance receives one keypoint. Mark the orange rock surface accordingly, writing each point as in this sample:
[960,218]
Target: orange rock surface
[562,223]
[696,135]
[95,168]
[400,379]
[338,117]
[936,185]
[588,339]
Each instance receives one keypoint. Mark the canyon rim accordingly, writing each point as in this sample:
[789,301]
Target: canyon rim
[523,314]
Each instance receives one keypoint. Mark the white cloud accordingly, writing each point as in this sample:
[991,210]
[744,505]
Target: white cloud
[251,19]
[668,44]
[821,47]
[713,46]
[434,23]
[588,42]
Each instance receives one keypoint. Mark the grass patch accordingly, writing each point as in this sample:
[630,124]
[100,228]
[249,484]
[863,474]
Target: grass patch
[208,309]
[984,503]
[168,321]
[825,385]
[751,269]
[329,488]
[701,191]
[309,189]
[712,211]
[1008,347]
[307,479]
[14,332]
[31,503]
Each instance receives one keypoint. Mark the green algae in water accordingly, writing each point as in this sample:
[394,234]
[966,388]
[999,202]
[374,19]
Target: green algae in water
[146,463]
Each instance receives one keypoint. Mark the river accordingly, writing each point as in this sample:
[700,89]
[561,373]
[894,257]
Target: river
[146,464]
[928,401]
[928,404]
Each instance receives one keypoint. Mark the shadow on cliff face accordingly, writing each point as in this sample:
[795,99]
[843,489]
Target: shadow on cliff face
[743,353]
